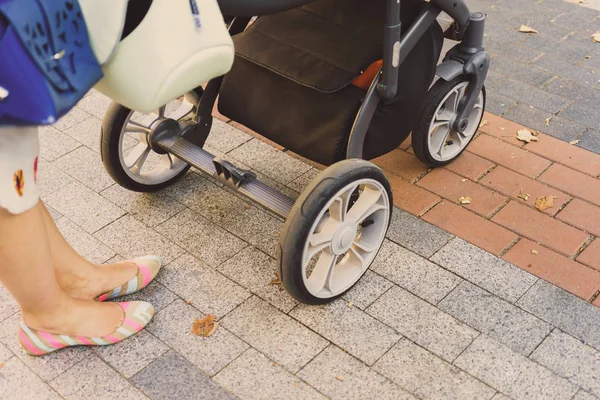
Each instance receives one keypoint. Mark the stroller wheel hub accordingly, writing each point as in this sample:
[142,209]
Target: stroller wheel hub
[344,237]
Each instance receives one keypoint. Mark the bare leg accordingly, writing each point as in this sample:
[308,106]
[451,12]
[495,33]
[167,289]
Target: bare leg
[27,271]
[77,276]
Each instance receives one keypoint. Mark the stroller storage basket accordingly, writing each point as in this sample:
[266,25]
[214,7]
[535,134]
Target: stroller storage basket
[302,64]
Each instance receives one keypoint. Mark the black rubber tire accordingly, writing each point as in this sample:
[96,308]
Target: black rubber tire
[420,133]
[306,210]
[110,135]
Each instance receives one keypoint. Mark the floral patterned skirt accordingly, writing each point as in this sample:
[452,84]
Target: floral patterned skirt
[19,151]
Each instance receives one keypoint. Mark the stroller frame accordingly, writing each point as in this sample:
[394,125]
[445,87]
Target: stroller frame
[467,57]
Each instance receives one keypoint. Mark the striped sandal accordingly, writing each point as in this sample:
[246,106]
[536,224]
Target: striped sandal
[148,267]
[137,315]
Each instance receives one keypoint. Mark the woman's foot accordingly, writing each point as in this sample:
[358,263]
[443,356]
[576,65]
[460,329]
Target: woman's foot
[104,282]
[83,322]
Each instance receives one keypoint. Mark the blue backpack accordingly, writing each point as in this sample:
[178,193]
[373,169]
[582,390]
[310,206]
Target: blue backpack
[46,62]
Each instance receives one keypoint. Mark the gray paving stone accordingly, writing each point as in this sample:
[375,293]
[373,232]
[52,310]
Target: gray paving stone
[348,327]
[266,159]
[130,238]
[50,178]
[225,137]
[254,270]
[240,377]
[55,144]
[428,376]
[55,215]
[581,395]
[303,180]
[201,238]
[560,128]
[155,294]
[8,305]
[173,377]
[340,376]
[208,199]
[414,273]
[565,69]
[150,208]
[520,377]
[87,132]
[85,166]
[560,49]
[83,243]
[17,382]
[84,207]
[571,90]
[590,140]
[484,269]
[493,316]
[421,322]
[257,227]
[134,354]
[205,288]
[500,396]
[564,310]
[173,326]
[525,93]
[274,334]
[416,234]
[516,52]
[73,117]
[520,72]
[95,104]
[368,289]
[498,104]
[5,353]
[47,367]
[571,359]
[93,379]
[584,114]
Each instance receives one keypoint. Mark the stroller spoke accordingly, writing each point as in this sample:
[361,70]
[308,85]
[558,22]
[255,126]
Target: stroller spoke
[140,127]
[321,275]
[367,204]
[136,159]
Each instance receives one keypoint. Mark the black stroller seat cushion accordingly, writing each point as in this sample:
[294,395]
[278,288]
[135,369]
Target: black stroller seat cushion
[292,77]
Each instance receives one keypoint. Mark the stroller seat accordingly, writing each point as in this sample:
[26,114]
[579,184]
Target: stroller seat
[250,8]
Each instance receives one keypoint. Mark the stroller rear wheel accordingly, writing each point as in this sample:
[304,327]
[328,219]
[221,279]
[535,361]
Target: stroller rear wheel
[434,141]
[126,153]
[334,231]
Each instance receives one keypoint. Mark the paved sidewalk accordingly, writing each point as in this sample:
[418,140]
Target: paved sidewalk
[435,317]
[551,74]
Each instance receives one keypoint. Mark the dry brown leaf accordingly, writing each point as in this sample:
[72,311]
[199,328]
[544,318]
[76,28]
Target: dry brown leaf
[205,326]
[277,282]
[574,142]
[1,365]
[524,196]
[339,378]
[188,302]
[273,363]
[465,200]
[535,252]
[350,304]
[527,29]
[596,37]
[545,202]
[483,123]
[525,135]
[464,180]
[502,128]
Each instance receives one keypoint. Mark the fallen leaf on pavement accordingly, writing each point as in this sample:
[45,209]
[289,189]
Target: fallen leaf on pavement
[574,142]
[205,326]
[524,196]
[1,365]
[339,378]
[502,129]
[547,120]
[465,200]
[535,251]
[273,363]
[527,29]
[350,304]
[596,37]
[464,180]
[525,135]
[545,202]
[277,282]
[483,123]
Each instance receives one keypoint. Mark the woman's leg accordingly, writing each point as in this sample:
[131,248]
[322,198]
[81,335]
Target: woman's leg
[77,276]
[27,271]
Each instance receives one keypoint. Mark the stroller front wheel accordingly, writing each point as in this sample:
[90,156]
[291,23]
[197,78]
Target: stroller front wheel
[126,154]
[434,141]
[334,231]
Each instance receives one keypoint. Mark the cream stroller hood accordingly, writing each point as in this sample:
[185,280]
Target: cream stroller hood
[179,45]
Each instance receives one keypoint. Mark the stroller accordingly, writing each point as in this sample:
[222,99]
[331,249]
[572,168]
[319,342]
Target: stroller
[338,82]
